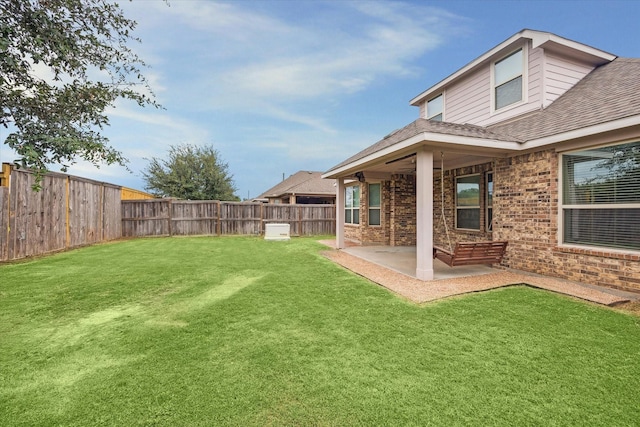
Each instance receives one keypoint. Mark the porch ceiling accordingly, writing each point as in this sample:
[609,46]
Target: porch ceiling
[405,162]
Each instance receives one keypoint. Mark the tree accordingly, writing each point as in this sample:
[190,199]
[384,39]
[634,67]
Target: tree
[79,48]
[190,172]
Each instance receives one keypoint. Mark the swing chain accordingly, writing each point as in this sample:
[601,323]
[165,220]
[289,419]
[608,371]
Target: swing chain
[444,220]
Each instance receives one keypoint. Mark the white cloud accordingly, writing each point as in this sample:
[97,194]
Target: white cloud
[247,52]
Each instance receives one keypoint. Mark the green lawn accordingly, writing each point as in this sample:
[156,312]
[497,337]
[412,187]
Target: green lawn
[239,331]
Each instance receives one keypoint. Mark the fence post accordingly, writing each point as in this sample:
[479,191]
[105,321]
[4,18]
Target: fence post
[67,236]
[170,213]
[218,225]
[262,226]
[101,212]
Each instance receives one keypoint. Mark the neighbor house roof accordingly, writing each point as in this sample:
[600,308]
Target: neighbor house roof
[302,182]
[608,95]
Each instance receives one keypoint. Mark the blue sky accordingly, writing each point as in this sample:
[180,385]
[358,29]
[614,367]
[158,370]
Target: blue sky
[282,86]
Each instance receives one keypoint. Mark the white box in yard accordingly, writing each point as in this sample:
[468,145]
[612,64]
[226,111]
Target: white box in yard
[277,232]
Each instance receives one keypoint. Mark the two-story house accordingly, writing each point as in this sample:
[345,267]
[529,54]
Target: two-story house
[536,142]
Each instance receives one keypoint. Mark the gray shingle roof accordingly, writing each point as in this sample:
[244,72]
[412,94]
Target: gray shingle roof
[302,182]
[421,126]
[610,92]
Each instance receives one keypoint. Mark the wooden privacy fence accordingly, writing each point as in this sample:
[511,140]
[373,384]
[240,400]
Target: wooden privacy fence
[70,211]
[67,212]
[169,217]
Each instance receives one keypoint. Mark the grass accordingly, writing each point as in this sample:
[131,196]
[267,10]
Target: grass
[239,331]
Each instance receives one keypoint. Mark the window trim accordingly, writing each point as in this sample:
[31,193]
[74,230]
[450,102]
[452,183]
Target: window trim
[525,80]
[440,113]
[478,207]
[488,225]
[562,206]
[369,207]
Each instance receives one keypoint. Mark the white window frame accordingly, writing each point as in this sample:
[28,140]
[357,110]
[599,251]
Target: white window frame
[370,208]
[352,208]
[478,207]
[525,80]
[562,206]
[430,116]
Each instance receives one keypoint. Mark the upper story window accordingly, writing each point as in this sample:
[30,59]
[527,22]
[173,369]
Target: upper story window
[508,80]
[352,205]
[601,197]
[434,108]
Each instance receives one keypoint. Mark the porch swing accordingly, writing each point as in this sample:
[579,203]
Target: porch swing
[466,253]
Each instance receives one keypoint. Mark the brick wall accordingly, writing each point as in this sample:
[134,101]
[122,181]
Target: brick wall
[526,214]
[455,235]
[525,206]
[402,215]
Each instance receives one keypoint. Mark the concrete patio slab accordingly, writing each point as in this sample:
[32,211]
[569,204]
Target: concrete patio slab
[391,269]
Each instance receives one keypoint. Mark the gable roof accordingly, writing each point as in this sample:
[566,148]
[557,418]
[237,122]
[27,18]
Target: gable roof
[302,182]
[605,97]
[548,41]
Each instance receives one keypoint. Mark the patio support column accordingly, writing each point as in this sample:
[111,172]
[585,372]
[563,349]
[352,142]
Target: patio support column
[340,213]
[424,214]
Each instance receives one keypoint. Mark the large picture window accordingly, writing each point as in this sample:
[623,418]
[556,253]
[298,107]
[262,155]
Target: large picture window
[601,197]
[352,205]
[508,80]
[374,204]
[468,202]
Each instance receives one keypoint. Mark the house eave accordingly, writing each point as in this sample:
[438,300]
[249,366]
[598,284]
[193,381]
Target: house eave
[598,129]
[493,147]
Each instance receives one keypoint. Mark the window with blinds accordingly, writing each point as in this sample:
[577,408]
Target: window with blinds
[435,108]
[508,78]
[601,197]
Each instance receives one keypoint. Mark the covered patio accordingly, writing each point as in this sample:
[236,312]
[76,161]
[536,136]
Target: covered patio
[402,259]
[423,149]
[394,268]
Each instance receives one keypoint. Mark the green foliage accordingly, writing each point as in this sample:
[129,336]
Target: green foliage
[62,63]
[241,331]
[192,173]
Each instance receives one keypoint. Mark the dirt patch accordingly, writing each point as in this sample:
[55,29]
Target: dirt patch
[632,307]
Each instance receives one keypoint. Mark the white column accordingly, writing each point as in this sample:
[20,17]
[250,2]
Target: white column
[340,213]
[424,214]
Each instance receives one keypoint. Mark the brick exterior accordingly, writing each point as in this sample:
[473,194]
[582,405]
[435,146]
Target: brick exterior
[525,213]
[402,218]
[439,230]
